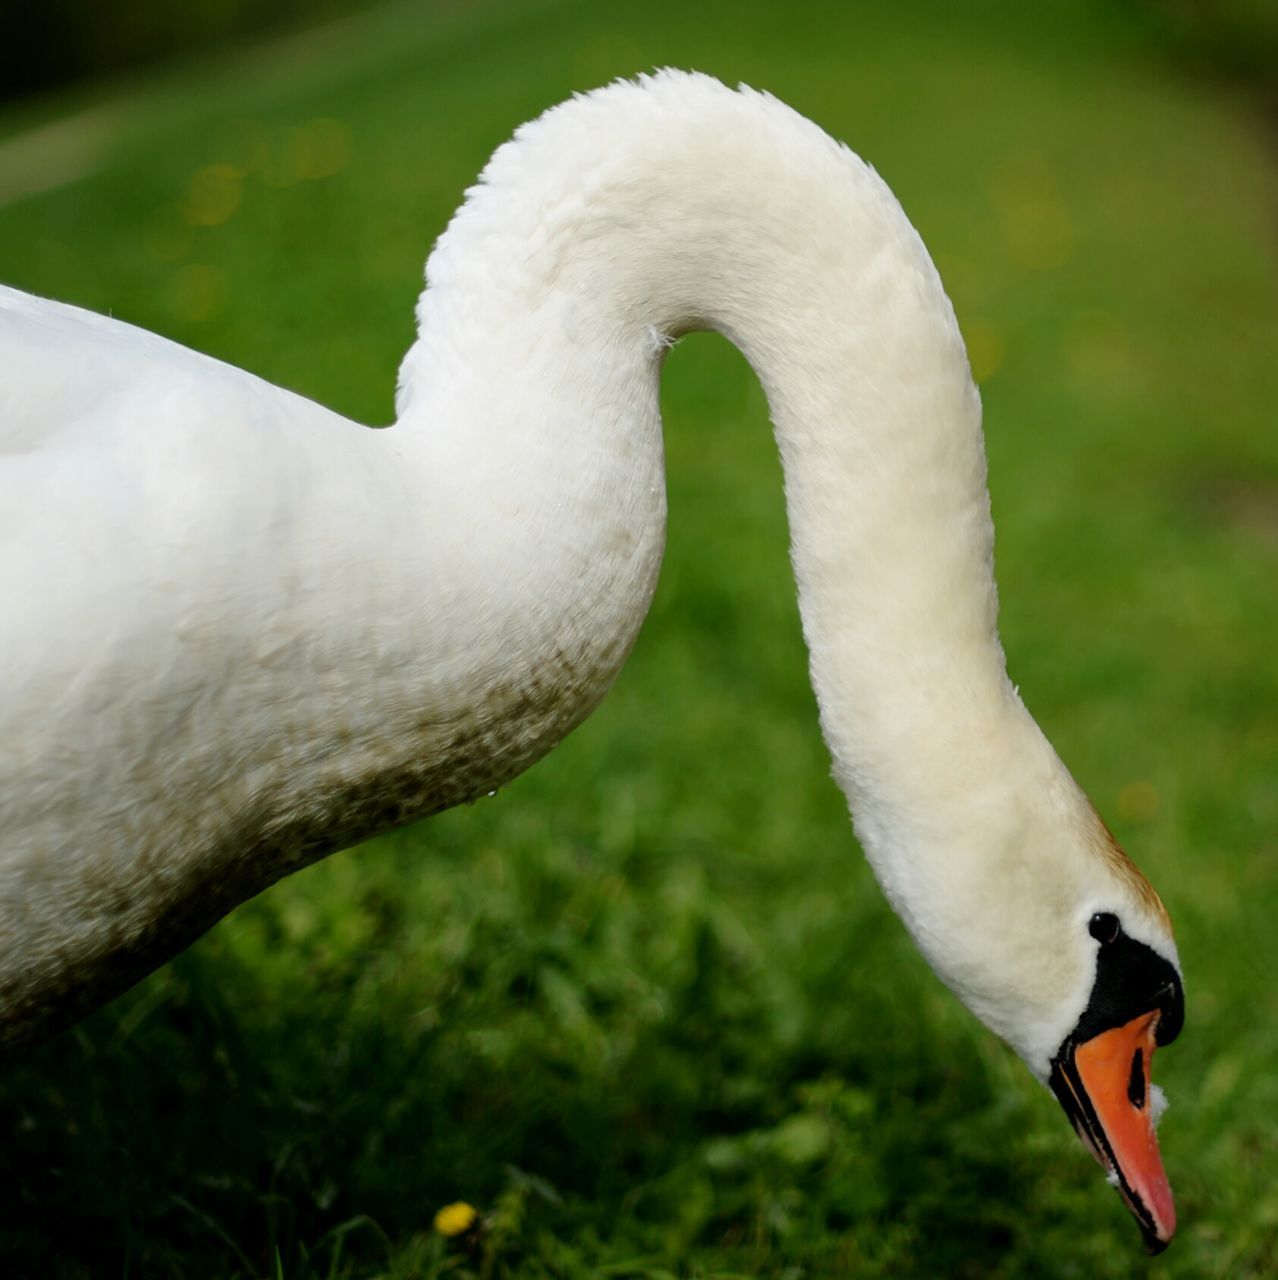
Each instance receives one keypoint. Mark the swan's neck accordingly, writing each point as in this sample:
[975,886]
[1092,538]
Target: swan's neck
[625,219]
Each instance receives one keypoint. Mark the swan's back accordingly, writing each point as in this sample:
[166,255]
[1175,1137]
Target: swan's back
[67,369]
[64,366]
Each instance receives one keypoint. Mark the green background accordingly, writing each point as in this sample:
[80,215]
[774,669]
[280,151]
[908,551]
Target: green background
[646,1008]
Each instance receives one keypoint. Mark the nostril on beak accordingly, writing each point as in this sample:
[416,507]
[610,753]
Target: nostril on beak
[1136,1081]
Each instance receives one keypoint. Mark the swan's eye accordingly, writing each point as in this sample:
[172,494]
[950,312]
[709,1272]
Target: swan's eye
[1104,927]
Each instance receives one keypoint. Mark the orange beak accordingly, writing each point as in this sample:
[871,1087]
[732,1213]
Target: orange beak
[1104,1086]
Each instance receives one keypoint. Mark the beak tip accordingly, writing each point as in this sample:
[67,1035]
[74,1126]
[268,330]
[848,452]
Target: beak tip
[1157,1234]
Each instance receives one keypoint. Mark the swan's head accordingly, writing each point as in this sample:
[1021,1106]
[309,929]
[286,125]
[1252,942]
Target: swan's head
[1085,983]
[1100,1072]
[1046,930]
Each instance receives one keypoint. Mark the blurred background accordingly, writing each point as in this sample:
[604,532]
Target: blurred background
[62,42]
[646,1008]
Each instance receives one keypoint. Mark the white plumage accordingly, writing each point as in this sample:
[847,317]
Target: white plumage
[241,631]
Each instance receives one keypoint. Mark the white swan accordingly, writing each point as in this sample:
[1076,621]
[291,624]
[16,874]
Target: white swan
[241,631]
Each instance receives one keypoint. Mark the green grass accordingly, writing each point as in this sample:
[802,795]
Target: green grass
[646,1007]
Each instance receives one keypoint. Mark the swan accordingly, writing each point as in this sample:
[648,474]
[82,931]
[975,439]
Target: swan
[241,631]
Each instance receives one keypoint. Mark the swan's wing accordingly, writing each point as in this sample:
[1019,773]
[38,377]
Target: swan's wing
[61,367]
[149,501]
[141,483]
[128,465]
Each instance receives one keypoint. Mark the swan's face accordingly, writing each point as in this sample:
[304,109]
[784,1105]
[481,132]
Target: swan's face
[1100,1073]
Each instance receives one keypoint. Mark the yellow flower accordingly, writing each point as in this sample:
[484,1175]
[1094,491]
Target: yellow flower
[455,1219]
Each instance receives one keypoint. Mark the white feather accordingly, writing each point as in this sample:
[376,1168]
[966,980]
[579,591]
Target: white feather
[242,631]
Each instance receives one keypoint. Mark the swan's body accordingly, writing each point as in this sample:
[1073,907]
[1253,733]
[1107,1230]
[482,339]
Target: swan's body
[251,631]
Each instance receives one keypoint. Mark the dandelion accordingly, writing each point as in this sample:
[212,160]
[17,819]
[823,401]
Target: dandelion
[456,1219]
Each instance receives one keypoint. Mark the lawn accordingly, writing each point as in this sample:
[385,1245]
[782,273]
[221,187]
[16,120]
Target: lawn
[646,1008]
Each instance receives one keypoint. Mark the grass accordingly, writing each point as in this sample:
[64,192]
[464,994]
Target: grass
[646,1007]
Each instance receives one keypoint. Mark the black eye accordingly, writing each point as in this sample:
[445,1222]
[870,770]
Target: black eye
[1104,927]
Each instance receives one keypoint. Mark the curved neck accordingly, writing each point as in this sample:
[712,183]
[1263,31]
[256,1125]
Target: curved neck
[623,219]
